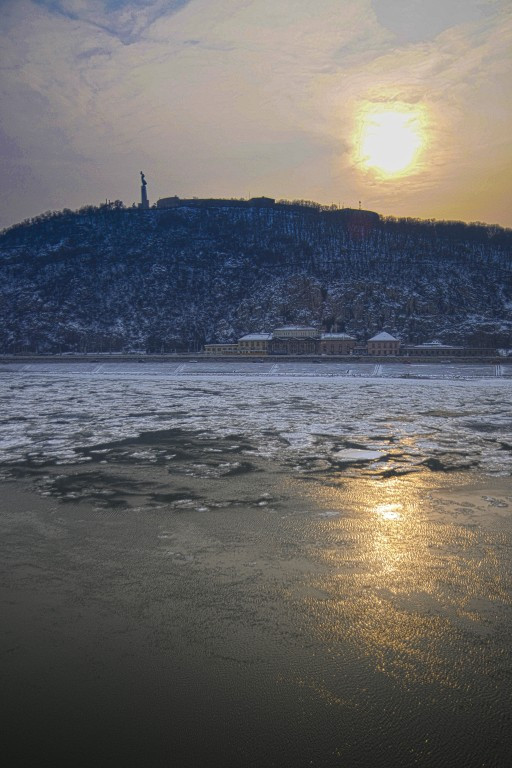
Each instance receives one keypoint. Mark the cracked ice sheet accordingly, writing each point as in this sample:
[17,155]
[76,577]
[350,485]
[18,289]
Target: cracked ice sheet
[446,424]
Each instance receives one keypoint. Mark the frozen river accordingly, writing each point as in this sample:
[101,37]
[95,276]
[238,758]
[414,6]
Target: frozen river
[447,415]
[257,564]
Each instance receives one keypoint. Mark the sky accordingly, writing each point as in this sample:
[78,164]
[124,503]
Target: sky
[404,105]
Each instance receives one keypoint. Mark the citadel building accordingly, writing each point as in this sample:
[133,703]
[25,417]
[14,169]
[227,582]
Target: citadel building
[351,216]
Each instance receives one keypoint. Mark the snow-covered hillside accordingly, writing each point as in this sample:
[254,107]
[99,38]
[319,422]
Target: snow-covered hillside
[111,278]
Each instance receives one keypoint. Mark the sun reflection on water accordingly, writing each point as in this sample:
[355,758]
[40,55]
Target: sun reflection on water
[389,511]
[399,582]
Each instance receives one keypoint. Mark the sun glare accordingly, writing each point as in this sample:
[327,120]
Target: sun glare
[390,139]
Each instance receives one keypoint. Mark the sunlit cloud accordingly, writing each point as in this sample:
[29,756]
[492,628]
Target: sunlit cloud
[390,138]
[231,97]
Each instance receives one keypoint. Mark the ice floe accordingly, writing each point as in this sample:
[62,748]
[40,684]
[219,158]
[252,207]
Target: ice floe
[315,423]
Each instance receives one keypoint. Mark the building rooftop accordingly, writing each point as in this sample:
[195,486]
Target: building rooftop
[434,345]
[256,337]
[383,336]
[337,336]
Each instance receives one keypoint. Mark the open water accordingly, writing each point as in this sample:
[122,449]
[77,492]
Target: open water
[299,565]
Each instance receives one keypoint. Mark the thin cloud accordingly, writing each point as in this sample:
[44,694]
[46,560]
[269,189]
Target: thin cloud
[223,97]
[413,21]
[127,20]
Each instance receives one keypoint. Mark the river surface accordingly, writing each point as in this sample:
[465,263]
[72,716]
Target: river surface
[294,567]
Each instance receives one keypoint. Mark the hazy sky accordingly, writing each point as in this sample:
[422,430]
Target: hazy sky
[254,97]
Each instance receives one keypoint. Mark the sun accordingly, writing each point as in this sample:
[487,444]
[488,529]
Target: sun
[390,139]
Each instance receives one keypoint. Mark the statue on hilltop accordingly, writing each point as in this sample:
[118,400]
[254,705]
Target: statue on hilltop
[144,202]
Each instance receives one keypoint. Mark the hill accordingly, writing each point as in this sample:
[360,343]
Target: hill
[112,279]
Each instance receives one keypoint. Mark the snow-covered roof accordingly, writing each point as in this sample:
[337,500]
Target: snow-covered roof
[337,336]
[383,336]
[434,345]
[256,337]
[295,328]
